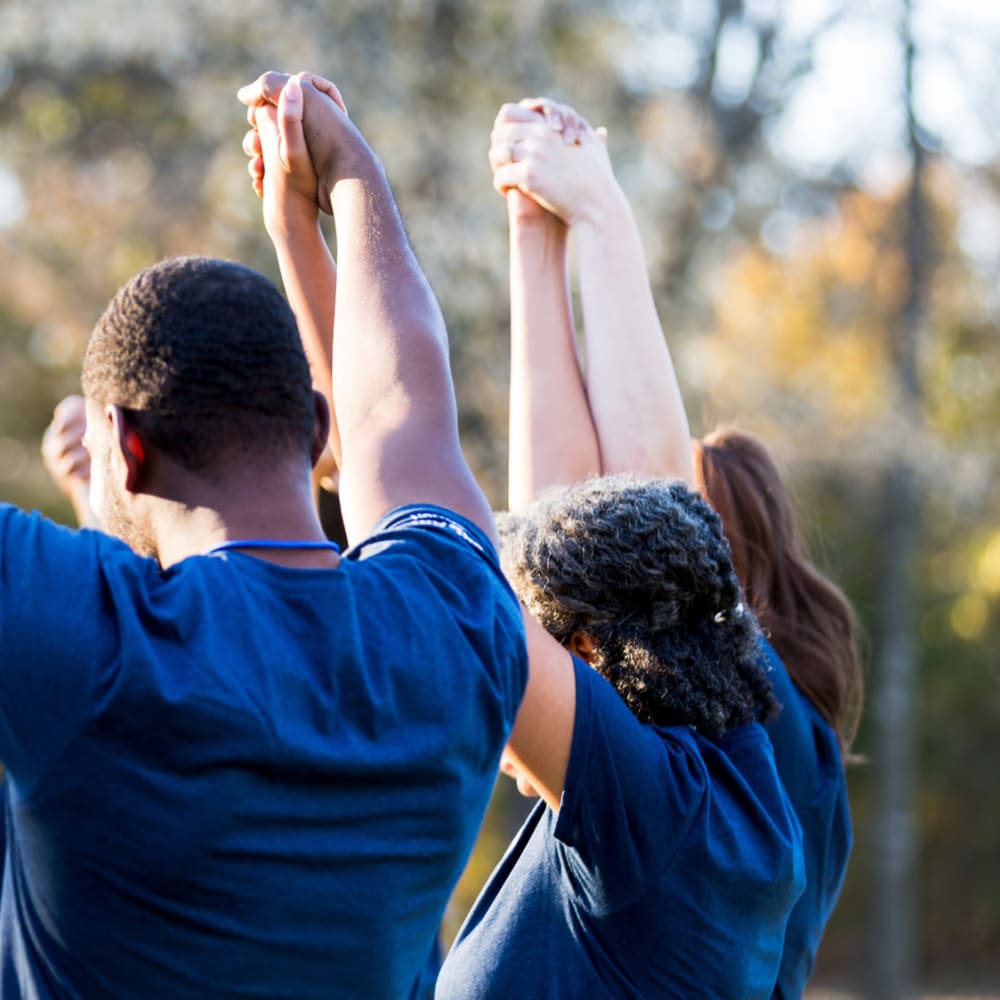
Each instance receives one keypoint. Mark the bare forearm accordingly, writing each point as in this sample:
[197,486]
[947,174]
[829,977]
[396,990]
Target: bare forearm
[309,275]
[392,383]
[552,437]
[543,733]
[632,387]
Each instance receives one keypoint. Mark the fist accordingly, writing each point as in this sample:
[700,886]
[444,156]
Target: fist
[65,457]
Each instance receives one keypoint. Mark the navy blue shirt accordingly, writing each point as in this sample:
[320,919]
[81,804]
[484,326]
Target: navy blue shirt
[669,871]
[237,779]
[807,753]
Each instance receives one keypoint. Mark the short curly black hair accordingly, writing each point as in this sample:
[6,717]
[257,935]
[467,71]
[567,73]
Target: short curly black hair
[205,356]
[643,569]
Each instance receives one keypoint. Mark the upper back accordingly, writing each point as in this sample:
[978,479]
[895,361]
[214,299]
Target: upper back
[808,758]
[669,871]
[236,777]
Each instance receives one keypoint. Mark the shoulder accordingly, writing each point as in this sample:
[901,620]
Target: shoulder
[33,544]
[57,584]
[640,799]
[654,774]
[435,569]
[440,548]
[58,633]
[426,528]
[752,820]
[605,725]
[747,787]
[806,747]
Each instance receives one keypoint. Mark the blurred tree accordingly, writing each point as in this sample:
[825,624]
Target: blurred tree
[894,962]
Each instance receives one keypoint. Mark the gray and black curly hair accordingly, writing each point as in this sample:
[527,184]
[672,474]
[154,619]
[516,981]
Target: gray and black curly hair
[643,569]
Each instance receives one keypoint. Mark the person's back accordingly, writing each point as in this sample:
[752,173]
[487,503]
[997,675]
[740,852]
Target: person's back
[236,777]
[669,871]
[246,766]
[817,788]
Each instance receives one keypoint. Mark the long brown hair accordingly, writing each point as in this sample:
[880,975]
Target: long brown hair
[807,618]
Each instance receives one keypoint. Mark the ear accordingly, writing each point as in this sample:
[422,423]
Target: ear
[321,427]
[131,448]
[583,646]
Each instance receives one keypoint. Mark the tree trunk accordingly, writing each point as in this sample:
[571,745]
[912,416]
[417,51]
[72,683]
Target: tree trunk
[894,965]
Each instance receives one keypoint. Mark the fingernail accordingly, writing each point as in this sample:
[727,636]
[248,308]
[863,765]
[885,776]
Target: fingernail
[294,89]
[556,121]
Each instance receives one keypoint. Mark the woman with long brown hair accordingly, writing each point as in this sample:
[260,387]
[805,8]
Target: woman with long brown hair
[804,614]
[624,413]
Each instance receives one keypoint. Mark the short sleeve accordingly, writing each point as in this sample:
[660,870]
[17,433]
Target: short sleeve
[49,639]
[631,794]
[440,571]
[416,519]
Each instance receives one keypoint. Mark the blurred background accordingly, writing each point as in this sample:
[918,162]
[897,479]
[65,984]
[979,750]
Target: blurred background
[818,187]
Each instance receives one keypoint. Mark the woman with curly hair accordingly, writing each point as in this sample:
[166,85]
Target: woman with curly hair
[664,857]
[626,414]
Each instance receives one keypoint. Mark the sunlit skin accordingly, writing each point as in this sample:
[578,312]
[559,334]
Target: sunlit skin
[162,510]
[579,645]
[67,460]
[114,509]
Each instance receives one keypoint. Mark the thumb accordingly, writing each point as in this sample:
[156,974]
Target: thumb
[292,139]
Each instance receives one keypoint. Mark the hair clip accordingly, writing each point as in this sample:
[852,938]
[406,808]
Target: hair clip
[720,616]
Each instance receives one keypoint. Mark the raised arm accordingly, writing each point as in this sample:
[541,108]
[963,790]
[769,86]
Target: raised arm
[276,147]
[552,438]
[634,398]
[392,388]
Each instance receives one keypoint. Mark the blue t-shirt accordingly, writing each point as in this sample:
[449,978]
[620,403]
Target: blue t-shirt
[237,779]
[669,871]
[807,753]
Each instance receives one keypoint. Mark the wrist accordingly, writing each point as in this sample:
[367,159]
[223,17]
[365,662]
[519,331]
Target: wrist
[362,186]
[537,228]
[295,216]
[601,211]
[356,167]
[537,250]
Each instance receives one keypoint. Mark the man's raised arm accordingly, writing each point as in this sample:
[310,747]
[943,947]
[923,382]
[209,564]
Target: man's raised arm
[392,388]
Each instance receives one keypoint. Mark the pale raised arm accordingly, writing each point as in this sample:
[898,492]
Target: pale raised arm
[634,399]
[634,396]
[552,439]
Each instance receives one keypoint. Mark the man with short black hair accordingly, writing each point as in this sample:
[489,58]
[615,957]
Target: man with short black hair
[239,765]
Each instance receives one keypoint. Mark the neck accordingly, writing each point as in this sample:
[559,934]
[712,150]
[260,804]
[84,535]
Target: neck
[262,506]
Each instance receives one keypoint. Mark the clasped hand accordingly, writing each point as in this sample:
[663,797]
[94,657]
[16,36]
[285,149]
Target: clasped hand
[302,139]
[548,152]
